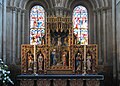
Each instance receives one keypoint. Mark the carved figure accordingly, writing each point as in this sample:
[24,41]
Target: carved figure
[30,61]
[88,61]
[40,61]
[79,61]
[64,58]
[54,57]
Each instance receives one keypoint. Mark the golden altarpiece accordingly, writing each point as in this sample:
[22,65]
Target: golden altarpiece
[59,53]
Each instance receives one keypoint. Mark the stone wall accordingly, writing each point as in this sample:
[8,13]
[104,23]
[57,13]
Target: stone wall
[118,36]
[1,6]
[104,29]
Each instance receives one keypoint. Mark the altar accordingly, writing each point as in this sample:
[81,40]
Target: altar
[56,56]
[60,80]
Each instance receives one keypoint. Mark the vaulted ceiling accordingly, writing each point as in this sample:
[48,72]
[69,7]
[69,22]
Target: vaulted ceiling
[64,3]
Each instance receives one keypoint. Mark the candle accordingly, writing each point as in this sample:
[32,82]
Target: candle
[34,59]
[84,71]
[34,53]
[84,53]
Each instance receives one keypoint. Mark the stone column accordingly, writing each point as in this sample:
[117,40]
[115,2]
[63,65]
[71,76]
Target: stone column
[9,35]
[99,37]
[14,34]
[4,31]
[117,28]
[95,26]
[26,27]
[103,34]
[114,38]
[23,26]
[109,38]
[1,6]
[19,35]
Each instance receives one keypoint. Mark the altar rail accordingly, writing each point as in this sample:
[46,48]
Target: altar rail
[60,80]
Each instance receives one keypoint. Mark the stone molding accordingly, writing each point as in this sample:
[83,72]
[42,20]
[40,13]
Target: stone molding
[102,9]
[16,9]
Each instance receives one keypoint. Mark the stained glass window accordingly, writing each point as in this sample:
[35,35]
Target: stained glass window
[80,25]
[37,25]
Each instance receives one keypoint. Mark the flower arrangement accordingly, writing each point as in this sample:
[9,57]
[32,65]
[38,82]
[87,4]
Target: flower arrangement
[4,74]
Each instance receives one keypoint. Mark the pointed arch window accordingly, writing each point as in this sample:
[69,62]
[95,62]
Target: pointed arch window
[80,25]
[37,24]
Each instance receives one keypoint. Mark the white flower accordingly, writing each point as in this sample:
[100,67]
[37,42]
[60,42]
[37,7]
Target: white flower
[5,78]
[5,65]
[3,71]
[5,74]
[8,72]
[3,81]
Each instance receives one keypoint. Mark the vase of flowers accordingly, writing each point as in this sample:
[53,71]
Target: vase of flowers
[4,74]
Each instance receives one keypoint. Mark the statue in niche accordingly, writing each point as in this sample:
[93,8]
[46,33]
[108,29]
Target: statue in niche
[58,38]
[53,57]
[64,58]
[79,61]
[88,60]
[93,63]
[40,61]
[30,61]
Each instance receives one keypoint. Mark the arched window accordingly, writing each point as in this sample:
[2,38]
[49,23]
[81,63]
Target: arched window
[80,25]
[37,25]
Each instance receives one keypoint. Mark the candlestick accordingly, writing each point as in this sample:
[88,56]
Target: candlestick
[35,60]
[84,70]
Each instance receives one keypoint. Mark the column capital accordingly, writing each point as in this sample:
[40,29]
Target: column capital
[23,10]
[18,9]
[13,8]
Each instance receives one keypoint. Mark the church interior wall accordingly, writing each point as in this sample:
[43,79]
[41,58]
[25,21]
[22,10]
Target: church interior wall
[14,28]
[0,28]
[118,36]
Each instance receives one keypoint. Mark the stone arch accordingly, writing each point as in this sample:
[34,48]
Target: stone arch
[30,4]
